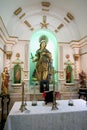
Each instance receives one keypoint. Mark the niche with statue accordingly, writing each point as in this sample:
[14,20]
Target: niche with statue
[17,70]
[17,74]
[69,85]
[68,70]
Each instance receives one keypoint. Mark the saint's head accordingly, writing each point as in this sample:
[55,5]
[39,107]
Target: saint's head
[43,41]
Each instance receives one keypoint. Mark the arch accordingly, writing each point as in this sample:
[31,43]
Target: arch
[52,46]
[17,74]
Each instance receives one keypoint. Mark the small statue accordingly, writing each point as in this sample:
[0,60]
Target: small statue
[82,77]
[69,69]
[68,76]
[5,81]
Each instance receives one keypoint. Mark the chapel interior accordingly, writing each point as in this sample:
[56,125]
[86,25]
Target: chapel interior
[22,23]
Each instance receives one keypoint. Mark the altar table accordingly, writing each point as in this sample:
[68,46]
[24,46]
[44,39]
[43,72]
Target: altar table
[42,117]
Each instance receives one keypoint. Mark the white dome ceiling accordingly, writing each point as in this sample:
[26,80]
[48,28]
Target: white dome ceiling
[66,18]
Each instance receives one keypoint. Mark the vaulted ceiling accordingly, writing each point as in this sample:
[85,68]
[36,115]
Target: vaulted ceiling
[67,19]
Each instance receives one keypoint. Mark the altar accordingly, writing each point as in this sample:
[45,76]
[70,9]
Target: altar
[42,117]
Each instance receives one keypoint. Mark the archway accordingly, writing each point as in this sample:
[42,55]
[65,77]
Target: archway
[52,46]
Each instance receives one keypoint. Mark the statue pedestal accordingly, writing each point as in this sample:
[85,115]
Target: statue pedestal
[69,91]
[70,87]
[17,88]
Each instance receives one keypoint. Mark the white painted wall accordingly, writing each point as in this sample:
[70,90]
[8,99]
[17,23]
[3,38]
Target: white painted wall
[83,58]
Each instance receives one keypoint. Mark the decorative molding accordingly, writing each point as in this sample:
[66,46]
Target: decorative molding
[67,56]
[8,54]
[46,4]
[8,39]
[76,57]
[69,84]
[2,50]
[66,20]
[13,39]
[32,29]
[45,9]
[18,11]
[61,75]
[17,61]
[4,34]
[22,16]
[25,74]
[44,24]
[61,57]
[81,42]
[70,16]
[83,53]
[60,26]
[28,25]
[56,31]
[68,62]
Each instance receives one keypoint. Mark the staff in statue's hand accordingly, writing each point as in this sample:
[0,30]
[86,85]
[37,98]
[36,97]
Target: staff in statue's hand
[32,57]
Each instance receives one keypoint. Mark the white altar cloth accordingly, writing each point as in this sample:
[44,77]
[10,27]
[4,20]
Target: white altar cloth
[42,117]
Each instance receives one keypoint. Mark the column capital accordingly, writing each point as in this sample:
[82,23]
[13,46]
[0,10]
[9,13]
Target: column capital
[8,54]
[76,57]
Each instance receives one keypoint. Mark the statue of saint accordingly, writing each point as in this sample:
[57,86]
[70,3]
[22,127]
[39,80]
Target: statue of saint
[17,76]
[82,77]
[68,76]
[43,60]
[5,81]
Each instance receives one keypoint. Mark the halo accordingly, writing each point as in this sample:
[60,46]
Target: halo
[43,38]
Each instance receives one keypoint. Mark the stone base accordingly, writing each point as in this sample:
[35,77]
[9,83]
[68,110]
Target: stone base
[69,87]
[69,95]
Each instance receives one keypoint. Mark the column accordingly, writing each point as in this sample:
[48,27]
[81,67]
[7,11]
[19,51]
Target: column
[76,58]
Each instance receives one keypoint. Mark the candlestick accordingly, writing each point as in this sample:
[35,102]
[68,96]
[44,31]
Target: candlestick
[23,108]
[34,102]
[54,105]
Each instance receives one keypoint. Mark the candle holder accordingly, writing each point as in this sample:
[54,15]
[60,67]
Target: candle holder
[70,102]
[34,102]
[23,105]
[54,105]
